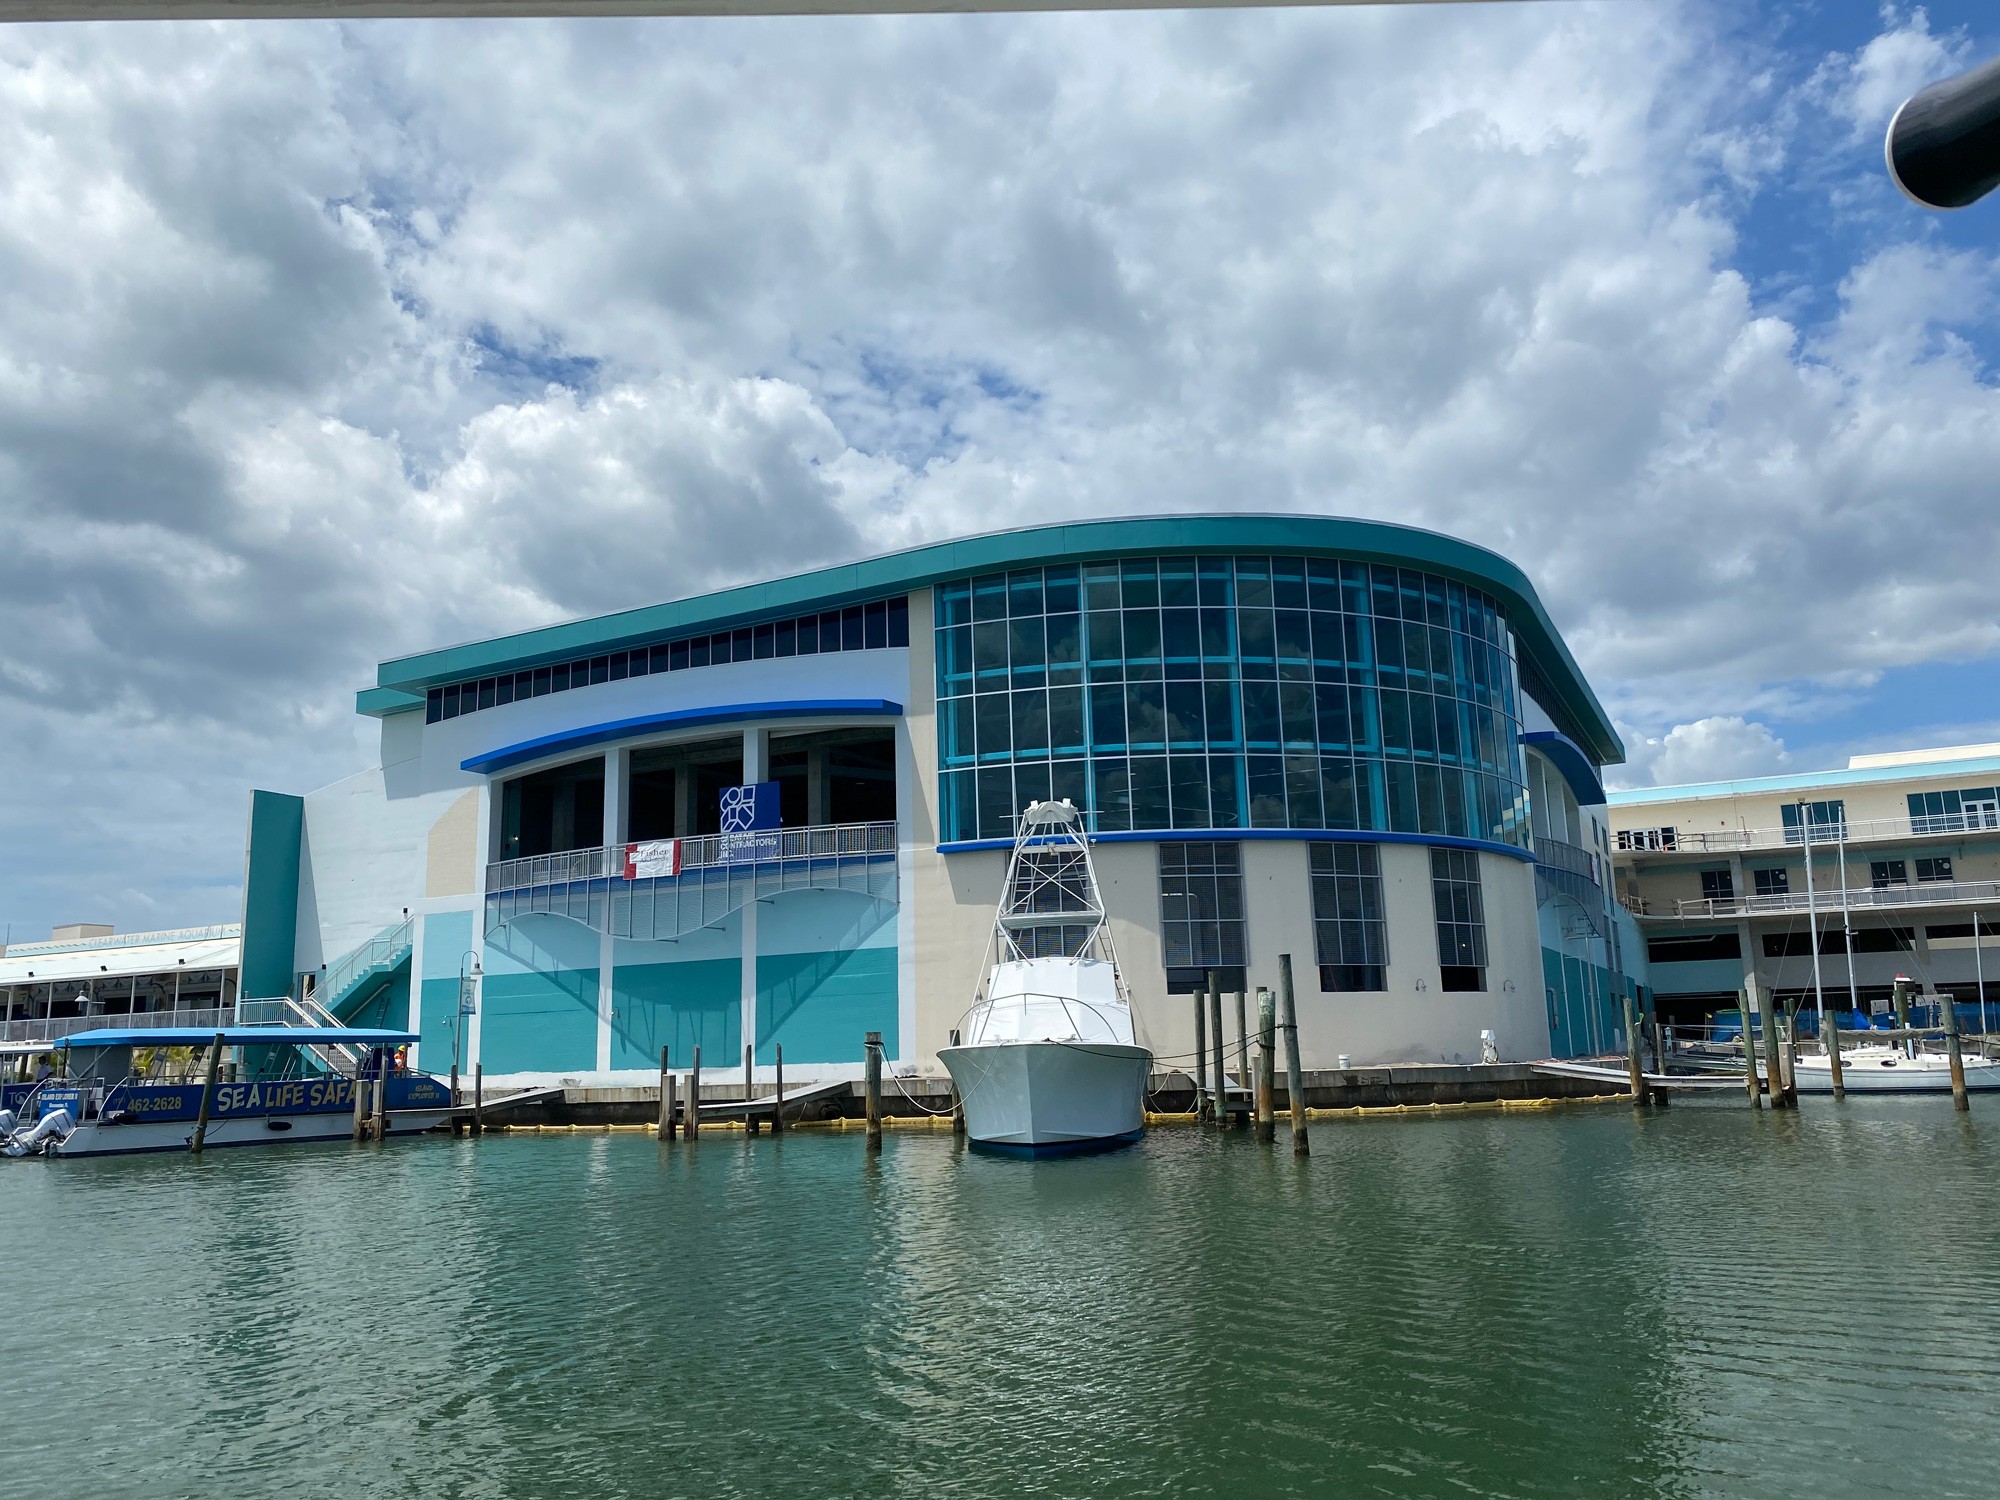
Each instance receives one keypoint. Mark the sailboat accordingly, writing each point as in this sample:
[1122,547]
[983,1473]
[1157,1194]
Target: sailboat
[1047,1061]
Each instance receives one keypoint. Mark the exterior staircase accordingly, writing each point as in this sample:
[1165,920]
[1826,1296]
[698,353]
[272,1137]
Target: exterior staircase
[360,975]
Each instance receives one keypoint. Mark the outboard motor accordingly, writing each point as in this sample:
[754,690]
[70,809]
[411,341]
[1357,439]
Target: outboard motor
[53,1126]
[6,1123]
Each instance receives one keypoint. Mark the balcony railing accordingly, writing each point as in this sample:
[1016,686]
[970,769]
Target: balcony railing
[49,1028]
[1571,857]
[1824,835]
[718,874]
[1870,898]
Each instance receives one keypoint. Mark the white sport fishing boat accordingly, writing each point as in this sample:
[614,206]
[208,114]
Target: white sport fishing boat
[1048,1062]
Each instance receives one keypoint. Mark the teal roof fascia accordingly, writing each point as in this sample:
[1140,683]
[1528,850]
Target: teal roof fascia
[1984,765]
[380,702]
[1545,659]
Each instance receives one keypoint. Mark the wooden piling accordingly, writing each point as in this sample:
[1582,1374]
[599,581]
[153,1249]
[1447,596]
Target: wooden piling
[1295,1087]
[1215,1048]
[1830,1024]
[479,1098]
[208,1082]
[379,1127]
[693,1110]
[1243,1059]
[778,1101]
[1750,1060]
[361,1097]
[873,1089]
[1767,1020]
[1635,1072]
[1953,1052]
[666,1125]
[1201,1050]
[457,1125]
[1267,1027]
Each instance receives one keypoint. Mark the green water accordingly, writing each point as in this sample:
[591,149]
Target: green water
[1702,1301]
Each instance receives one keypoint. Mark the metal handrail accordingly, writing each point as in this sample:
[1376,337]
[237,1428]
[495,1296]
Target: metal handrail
[382,948]
[1936,893]
[703,851]
[50,1028]
[1573,858]
[1793,836]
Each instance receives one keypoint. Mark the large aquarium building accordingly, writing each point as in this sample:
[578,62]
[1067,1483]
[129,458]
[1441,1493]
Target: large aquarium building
[777,815]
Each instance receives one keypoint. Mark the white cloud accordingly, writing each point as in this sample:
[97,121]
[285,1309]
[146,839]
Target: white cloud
[1866,88]
[1720,748]
[320,344]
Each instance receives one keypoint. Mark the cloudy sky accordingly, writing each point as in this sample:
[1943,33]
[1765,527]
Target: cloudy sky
[320,343]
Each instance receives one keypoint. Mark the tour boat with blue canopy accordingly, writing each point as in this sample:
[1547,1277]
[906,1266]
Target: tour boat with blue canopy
[142,1089]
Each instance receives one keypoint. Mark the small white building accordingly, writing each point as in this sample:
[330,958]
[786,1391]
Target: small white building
[85,973]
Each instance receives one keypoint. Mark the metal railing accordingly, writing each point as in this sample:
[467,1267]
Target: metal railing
[1870,898]
[701,852]
[386,947]
[1569,857]
[719,873]
[1793,836]
[49,1028]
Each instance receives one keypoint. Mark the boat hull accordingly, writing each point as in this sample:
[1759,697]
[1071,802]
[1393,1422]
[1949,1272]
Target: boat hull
[1877,1072]
[127,1138]
[1051,1098]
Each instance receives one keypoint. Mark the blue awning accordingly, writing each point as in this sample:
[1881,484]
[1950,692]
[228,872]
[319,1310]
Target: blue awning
[237,1036]
[680,718]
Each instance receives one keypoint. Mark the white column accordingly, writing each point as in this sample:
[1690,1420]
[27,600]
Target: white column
[756,768]
[617,773]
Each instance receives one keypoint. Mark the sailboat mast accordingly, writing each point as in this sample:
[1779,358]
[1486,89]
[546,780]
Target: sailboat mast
[1812,912]
[1846,918]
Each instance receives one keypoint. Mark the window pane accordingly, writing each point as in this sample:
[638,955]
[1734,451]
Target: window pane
[1024,592]
[1066,732]
[1031,722]
[1107,717]
[1146,716]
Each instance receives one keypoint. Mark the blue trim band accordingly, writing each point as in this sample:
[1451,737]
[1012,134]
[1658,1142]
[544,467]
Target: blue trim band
[1568,757]
[1295,835]
[680,718]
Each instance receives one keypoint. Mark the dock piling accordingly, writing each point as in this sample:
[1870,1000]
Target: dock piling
[1767,1020]
[1215,1047]
[1267,1027]
[1201,1049]
[873,1088]
[1830,1024]
[666,1126]
[693,1110]
[479,1098]
[1242,1117]
[1295,1087]
[379,1127]
[361,1097]
[750,1121]
[1634,1070]
[778,1103]
[200,1137]
[457,1125]
[1954,1052]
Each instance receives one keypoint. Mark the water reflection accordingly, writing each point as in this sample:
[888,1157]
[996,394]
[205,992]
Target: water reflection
[1700,1301]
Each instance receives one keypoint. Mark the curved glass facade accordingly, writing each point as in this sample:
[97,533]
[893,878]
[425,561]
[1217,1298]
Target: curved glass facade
[1228,692]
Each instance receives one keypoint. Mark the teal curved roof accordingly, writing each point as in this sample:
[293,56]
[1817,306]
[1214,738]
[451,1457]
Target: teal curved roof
[1549,673]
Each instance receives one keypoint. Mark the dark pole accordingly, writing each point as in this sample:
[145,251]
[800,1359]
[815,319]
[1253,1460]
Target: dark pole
[667,1099]
[873,1089]
[1832,1040]
[1295,1088]
[1215,1048]
[1774,1078]
[479,1098]
[1953,1052]
[694,1096]
[778,1104]
[1201,1050]
[1634,1072]
[207,1095]
[1943,146]
[1267,1038]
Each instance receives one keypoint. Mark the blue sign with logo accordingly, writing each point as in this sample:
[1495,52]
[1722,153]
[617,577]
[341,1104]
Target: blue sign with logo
[749,822]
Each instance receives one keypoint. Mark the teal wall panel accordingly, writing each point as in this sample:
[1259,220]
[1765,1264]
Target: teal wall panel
[271,895]
[680,1006]
[820,1005]
[538,1023]
[538,1001]
[388,1007]
[1586,1005]
[447,939]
